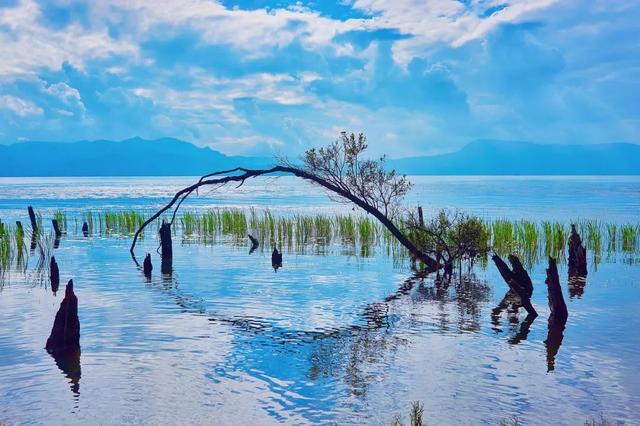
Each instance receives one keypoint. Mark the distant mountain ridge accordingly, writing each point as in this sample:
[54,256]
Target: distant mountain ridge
[495,157]
[130,157]
[173,157]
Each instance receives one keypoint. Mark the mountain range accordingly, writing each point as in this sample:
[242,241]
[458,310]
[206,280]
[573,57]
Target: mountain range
[173,157]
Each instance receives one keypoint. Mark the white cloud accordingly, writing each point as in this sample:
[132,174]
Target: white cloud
[18,106]
[443,21]
[66,94]
[28,45]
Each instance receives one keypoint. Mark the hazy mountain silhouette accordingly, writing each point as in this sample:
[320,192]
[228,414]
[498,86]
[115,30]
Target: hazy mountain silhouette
[492,157]
[130,157]
[171,157]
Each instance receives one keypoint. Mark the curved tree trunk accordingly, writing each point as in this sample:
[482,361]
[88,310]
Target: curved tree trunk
[214,179]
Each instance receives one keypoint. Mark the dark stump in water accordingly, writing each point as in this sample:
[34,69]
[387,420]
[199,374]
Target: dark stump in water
[85,229]
[254,243]
[276,259]
[518,280]
[54,274]
[577,255]
[65,334]
[56,228]
[32,218]
[558,316]
[166,248]
[147,267]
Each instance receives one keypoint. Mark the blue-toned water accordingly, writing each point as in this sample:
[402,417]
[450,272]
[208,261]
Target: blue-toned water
[327,339]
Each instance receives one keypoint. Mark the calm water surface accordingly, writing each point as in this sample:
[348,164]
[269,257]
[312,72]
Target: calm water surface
[327,339]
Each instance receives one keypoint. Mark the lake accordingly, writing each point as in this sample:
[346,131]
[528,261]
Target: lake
[332,337]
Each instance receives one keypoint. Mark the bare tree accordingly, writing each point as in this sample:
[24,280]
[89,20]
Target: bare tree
[341,164]
[338,168]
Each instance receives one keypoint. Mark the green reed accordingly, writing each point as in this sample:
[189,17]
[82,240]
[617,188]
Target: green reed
[629,237]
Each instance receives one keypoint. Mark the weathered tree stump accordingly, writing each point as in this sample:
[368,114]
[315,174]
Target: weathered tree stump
[558,316]
[32,218]
[518,280]
[56,228]
[166,248]
[577,255]
[147,267]
[65,334]
[558,307]
[276,259]
[420,216]
[54,275]
[85,229]
[254,243]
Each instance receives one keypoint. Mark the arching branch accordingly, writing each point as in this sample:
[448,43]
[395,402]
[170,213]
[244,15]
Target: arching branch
[217,179]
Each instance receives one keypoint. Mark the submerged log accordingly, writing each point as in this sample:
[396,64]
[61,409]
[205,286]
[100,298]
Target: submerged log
[85,229]
[518,280]
[54,275]
[276,259]
[166,248]
[577,255]
[147,267]
[254,243]
[558,307]
[32,218]
[65,334]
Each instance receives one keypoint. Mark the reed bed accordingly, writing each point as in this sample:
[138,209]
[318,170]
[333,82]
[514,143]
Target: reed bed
[356,234]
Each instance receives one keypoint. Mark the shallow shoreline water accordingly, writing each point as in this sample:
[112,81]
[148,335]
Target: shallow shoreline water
[337,338]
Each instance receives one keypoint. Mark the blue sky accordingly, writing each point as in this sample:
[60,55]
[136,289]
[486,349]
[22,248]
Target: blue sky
[256,77]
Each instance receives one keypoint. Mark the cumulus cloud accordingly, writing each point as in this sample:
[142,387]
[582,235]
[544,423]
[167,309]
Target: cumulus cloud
[29,45]
[20,107]
[425,76]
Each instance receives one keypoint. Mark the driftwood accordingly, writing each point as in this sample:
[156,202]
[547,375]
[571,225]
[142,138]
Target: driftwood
[32,218]
[85,229]
[518,281]
[276,259]
[65,334]
[54,275]
[577,255]
[226,176]
[147,267]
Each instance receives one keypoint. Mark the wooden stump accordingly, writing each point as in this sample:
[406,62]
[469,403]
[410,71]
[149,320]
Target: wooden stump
[65,334]
[558,316]
[577,255]
[276,259]
[166,248]
[518,280]
[85,229]
[558,307]
[32,218]
[56,228]
[147,267]
[420,217]
[54,275]
[254,243]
